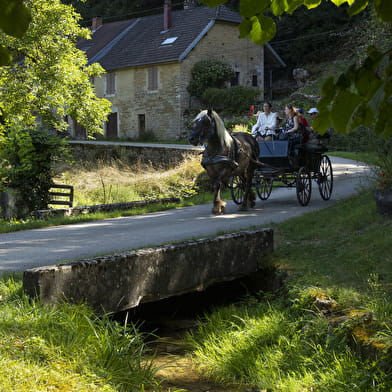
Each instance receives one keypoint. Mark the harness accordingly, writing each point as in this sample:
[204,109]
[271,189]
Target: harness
[231,159]
[208,161]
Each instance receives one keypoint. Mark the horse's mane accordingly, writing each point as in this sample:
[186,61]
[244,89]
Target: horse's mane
[224,136]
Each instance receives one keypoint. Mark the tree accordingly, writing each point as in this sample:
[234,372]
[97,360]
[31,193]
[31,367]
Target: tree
[359,96]
[15,18]
[49,78]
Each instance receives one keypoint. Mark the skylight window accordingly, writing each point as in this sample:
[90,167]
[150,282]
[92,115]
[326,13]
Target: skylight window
[169,41]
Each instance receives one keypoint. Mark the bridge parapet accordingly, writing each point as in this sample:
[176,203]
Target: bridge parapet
[123,281]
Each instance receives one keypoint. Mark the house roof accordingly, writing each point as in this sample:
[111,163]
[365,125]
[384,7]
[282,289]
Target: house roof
[139,41]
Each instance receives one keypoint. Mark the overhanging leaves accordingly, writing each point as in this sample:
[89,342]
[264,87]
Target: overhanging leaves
[5,56]
[384,10]
[357,7]
[263,29]
[248,8]
[343,108]
[15,17]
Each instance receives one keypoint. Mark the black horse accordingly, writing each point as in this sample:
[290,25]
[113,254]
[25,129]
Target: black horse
[225,156]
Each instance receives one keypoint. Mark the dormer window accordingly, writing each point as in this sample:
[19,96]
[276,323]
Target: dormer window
[169,41]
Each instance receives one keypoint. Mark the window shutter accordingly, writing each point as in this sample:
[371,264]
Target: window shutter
[153,78]
[111,83]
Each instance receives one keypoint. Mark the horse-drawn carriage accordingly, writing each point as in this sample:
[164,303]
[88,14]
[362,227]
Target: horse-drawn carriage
[244,164]
[281,166]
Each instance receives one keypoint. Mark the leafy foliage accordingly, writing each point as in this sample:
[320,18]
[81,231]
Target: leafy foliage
[27,166]
[209,74]
[345,104]
[49,78]
[234,100]
[15,18]
[306,36]
[358,95]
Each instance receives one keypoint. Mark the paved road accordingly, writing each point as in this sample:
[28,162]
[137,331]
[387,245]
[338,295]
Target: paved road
[34,248]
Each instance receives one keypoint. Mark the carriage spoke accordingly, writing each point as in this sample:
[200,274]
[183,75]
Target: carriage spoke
[237,189]
[303,186]
[325,178]
[263,186]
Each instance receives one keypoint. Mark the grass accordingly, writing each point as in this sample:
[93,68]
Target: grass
[101,183]
[66,348]
[330,327]
[115,183]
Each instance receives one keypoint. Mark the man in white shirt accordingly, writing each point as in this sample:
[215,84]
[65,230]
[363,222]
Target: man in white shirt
[266,124]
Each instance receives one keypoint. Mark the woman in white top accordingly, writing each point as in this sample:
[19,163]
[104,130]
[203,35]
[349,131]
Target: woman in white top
[267,122]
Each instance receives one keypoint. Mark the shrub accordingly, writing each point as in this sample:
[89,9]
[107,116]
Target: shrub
[207,74]
[26,164]
[233,100]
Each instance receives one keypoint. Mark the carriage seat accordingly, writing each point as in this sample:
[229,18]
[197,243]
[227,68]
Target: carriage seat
[274,148]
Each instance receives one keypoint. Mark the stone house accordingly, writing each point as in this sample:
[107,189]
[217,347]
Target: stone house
[149,60]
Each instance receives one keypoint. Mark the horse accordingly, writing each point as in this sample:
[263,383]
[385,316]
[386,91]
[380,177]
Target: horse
[225,155]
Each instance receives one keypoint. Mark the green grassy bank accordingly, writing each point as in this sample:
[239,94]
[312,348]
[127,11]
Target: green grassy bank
[329,328]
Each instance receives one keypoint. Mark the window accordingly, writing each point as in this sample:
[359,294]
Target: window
[110,83]
[254,80]
[169,41]
[141,123]
[152,78]
[235,81]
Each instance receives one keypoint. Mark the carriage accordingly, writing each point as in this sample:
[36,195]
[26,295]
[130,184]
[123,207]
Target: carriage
[242,163]
[280,165]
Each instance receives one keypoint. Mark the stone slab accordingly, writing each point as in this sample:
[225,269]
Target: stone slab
[123,281]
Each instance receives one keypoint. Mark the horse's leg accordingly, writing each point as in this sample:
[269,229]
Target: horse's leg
[219,204]
[249,197]
[252,194]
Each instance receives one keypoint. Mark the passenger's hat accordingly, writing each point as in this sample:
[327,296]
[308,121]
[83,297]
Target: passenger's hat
[312,110]
[300,110]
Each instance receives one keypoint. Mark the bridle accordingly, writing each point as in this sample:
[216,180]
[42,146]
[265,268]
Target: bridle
[203,133]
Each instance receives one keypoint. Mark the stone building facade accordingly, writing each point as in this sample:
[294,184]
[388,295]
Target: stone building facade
[149,60]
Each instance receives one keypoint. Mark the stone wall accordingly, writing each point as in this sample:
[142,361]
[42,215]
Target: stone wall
[122,281]
[132,153]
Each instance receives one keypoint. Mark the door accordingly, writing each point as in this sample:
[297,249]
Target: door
[111,126]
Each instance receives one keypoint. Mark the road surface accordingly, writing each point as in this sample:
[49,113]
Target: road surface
[33,248]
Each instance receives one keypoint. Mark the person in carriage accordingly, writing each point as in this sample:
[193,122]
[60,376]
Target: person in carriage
[266,124]
[292,130]
[304,125]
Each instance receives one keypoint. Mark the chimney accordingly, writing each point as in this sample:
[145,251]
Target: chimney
[97,22]
[167,17]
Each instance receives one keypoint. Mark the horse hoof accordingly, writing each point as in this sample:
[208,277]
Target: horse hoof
[243,208]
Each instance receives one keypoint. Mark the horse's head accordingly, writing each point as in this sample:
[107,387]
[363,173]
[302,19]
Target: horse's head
[204,127]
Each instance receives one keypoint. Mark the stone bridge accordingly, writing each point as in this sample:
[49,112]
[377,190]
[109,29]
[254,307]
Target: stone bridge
[123,281]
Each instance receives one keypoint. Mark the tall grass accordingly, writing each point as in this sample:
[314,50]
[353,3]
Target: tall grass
[115,182]
[66,347]
[330,326]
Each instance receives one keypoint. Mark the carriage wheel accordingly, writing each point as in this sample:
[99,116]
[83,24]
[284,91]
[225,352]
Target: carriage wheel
[263,186]
[303,186]
[325,178]
[237,189]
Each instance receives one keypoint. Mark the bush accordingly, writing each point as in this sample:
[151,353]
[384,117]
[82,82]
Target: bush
[233,100]
[26,164]
[209,74]
[242,121]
